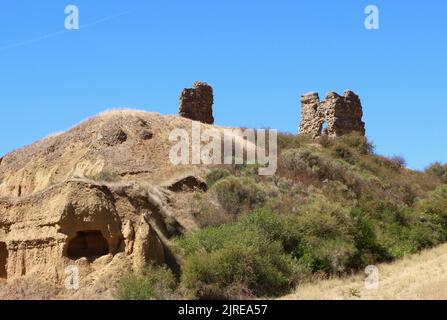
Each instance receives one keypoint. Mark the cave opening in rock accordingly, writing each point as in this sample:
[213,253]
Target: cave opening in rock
[88,244]
[3,260]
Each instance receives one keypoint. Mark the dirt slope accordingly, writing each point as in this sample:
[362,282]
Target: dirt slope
[132,144]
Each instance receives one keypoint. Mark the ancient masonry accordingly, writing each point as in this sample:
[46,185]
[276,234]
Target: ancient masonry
[341,114]
[197,103]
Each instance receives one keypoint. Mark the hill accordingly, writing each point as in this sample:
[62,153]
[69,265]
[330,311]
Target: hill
[104,201]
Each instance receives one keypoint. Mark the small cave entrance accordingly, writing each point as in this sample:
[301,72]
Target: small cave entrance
[3,260]
[87,244]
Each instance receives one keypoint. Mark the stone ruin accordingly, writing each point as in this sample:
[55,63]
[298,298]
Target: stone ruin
[340,114]
[197,103]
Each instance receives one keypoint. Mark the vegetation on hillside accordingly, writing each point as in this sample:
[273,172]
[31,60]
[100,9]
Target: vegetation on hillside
[333,208]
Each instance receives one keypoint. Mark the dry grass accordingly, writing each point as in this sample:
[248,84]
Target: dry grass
[418,277]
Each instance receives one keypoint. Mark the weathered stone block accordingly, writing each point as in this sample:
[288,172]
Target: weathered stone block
[197,103]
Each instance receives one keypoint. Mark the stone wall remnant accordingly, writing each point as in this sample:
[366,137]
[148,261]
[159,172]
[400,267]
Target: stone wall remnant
[197,103]
[340,114]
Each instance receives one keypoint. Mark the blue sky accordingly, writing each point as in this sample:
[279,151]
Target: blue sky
[259,56]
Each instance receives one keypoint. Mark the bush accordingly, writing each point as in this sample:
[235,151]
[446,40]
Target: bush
[434,207]
[369,248]
[302,160]
[338,191]
[384,162]
[288,141]
[236,195]
[216,175]
[437,169]
[325,141]
[325,243]
[343,152]
[155,283]
[401,162]
[105,176]
[357,142]
[234,262]
[322,167]
[207,212]
[399,229]
[237,271]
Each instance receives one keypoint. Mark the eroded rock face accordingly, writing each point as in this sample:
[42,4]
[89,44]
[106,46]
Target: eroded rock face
[77,199]
[197,103]
[341,114]
[77,223]
[148,247]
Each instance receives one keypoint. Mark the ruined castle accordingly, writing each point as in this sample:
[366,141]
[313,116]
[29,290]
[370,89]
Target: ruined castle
[335,116]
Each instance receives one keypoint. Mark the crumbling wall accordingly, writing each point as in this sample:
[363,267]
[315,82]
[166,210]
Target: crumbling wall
[197,103]
[341,114]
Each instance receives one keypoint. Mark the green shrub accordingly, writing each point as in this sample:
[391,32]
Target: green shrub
[323,238]
[296,160]
[342,151]
[325,141]
[236,195]
[384,162]
[237,270]
[399,160]
[369,248]
[437,169]
[357,142]
[321,166]
[399,229]
[208,213]
[434,207]
[289,141]
[105,176]
[215,175]
[154,283]
[338,191]
[425,235]
[233,261]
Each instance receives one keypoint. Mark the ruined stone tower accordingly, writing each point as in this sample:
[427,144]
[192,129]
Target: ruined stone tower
[341,114]
[197,103]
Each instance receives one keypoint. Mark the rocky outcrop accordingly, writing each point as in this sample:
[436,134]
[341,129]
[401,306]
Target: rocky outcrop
[341,114]
[78,221]
[197,103]
[148,247]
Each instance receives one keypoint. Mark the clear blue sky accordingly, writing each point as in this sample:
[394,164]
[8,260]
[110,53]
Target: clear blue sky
[260,56]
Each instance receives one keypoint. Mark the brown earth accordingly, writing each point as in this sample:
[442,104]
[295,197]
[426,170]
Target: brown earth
[102,196]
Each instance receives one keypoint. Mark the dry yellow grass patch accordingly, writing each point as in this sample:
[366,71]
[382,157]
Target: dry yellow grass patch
[418,277]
